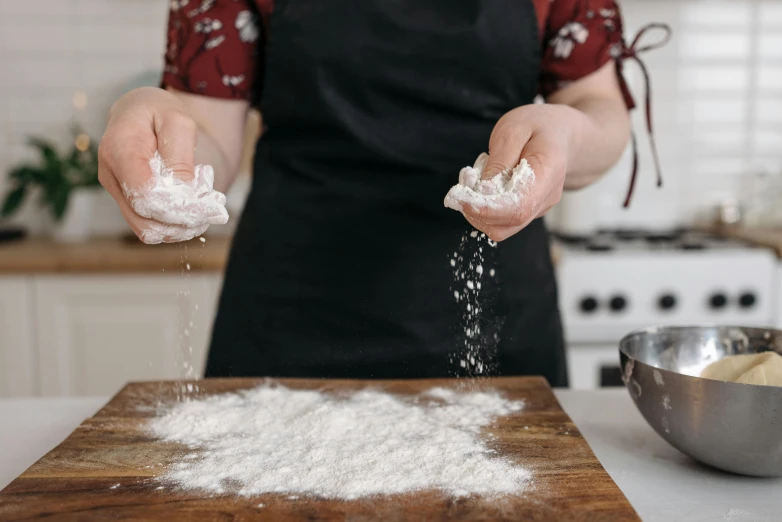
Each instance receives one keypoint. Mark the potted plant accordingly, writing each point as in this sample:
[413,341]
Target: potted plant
[66,186]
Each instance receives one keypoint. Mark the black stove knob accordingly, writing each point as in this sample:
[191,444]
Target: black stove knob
[667,302]
[617,303]
[747,300]
[718,301]
[588,305]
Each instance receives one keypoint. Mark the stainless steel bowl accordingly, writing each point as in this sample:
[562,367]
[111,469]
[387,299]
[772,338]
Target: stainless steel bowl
[733,427]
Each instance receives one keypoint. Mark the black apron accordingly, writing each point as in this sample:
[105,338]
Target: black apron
[340,266]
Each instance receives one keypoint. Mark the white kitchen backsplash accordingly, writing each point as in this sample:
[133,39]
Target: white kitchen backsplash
[717,92]
[49,50]
[717,111]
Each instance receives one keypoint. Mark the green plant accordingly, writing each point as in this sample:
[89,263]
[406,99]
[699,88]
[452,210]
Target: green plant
[55,175]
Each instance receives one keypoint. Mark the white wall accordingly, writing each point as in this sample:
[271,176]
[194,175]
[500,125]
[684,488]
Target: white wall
[717,106]
[717,89]
[49,49]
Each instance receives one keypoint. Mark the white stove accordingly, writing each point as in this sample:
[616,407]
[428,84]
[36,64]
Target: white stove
[613,282]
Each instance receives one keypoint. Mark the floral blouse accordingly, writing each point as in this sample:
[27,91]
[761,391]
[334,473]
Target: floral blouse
[213,46]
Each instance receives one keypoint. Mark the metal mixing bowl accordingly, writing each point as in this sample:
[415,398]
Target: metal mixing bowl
[733,427]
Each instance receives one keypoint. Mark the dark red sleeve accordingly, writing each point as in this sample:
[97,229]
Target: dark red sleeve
[215,47]
[580,37]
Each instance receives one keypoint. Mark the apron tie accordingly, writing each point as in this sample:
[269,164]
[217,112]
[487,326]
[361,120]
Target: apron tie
[632,53]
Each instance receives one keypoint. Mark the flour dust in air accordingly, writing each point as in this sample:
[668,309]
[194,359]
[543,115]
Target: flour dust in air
[475,287]
[475,291]
[273,439]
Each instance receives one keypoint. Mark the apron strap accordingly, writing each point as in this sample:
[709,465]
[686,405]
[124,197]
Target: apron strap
[632,53]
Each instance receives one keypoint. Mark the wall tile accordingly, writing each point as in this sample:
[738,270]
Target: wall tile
[704,141]
[714,13]
[14,9]
[713,110]
[33,74]
[118,39]
[47,38]
[714,45]
[705,78]
[710,168]
[770,45]
[770,14]
[115,11]
[769,78]
[769,110]
[767,141]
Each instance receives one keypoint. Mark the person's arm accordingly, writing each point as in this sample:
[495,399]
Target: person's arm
[180,127]
[197,118]
[221,126]
[605,129]
[580,132]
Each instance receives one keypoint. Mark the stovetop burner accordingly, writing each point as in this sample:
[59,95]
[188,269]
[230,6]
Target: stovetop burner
[653,240]
[599,247]
[691,245]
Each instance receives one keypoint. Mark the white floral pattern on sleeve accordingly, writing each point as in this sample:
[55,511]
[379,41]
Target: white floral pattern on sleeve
[213,46]
[247,25]
[567,38]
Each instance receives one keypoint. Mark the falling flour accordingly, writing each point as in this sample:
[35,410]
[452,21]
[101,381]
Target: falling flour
[506,189]
[273,439]
[180,209]
[476,351]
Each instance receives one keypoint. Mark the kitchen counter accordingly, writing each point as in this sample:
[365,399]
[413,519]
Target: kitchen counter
[118,255]
[662,484]
[764,237]
[112,255]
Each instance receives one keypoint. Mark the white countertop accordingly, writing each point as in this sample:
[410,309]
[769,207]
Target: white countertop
[662,484]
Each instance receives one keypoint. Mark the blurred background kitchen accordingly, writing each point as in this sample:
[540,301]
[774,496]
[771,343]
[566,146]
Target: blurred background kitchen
[84,307]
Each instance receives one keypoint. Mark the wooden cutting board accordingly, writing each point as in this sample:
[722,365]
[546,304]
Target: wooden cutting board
[106,469]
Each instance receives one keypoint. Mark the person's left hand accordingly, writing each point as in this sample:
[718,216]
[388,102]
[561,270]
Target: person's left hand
[545,136]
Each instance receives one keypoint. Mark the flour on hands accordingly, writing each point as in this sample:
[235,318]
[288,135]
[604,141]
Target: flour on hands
[505,189]
[181,209]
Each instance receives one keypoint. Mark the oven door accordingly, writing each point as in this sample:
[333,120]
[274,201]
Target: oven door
[593,366]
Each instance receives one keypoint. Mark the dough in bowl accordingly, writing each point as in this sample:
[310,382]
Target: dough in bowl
[754,368]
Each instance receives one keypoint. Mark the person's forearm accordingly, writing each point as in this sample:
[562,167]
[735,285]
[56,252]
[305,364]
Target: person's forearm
[221,125]
[598,140]
[208,152]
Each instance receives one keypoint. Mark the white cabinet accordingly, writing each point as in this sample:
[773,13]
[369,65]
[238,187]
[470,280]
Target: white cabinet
[64,335]
[18,370]
[96,333]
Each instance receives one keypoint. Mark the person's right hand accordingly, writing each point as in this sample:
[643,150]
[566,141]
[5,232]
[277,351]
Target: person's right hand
[175,203]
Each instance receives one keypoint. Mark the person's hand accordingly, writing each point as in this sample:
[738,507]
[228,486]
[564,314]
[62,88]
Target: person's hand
[175,203]
[544,135]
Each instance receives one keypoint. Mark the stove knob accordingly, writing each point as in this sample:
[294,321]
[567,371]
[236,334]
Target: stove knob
[718,301]
[667,302]
[617,303]
[747,300]
[588,305]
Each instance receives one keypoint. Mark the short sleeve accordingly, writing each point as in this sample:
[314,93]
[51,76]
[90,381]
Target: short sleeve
[215,47]
[581,36]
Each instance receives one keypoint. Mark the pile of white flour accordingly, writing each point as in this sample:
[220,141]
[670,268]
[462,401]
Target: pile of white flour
[505,189]
[181,209]
[272,439]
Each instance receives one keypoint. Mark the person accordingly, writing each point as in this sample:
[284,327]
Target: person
[340,266]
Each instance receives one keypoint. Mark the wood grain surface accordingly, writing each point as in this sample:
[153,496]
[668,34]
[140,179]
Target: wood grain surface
[112,255]
[118,255]
[74,481]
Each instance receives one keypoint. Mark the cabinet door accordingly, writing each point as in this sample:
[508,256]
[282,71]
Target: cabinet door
[18,371]
[98,332]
